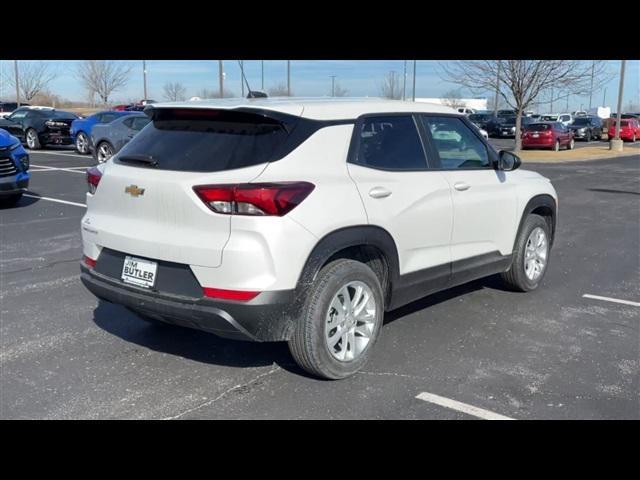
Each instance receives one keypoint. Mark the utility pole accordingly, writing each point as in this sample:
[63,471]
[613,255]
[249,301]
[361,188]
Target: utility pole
[414,81]
[242,78]
[593,66]
[567,109]
[620,91]
[288,78]
[144,77]
[404,82]
[495,105]
[262,69]
[15,65]
[604,97]
[551,106]
[333,85]
[221,78]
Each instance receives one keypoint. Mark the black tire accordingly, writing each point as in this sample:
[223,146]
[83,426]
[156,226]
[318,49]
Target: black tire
[36,140]
[588,137]
[103,152]
[556,147]
[571,144]
[515,278]
[82,143]
[11,200]
[308,345]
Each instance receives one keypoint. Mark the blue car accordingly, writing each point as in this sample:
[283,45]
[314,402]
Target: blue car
[81,128]
[14,166]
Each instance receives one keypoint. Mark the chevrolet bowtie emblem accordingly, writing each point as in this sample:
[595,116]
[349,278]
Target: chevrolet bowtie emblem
[134,191]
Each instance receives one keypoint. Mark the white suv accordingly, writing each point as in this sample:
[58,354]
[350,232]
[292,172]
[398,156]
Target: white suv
[305,220]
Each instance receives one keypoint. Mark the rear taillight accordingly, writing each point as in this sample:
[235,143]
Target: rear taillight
[93,178]
[88,261]
[260,199]
[239,295]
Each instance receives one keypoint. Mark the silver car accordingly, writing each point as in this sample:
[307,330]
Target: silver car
[108,139]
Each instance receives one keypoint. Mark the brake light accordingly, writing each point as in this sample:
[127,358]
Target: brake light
[240,295]
[88,261]
[257,199]
[93,178]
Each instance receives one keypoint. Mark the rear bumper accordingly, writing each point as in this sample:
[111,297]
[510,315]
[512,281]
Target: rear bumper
[268,317]
[56,138]
[15,184]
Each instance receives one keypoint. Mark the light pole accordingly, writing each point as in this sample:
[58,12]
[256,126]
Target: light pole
[495,105]
[333,85]
[414,81]
[404,82]
[288,78]
[15,66]
[144,78]
[262,74]
[221,78]
[615,143]
[593,66]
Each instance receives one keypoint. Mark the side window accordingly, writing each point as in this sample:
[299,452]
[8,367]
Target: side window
[457,146]
[99,118]
[127,122]
[17,116]
[108,117]
[140,122]
[390,143]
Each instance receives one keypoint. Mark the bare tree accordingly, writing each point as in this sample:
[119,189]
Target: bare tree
[174,91]
[391,87]
[206,93]
[279,90]
[523,81]
[338,91]
[33,78]
[103,77]
[452,99]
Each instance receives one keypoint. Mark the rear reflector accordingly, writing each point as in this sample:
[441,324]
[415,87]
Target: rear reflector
[89,262]
[258,199]
[240,295]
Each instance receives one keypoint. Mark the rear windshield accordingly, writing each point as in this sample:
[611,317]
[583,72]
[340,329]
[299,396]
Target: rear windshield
[538,127]
[582,121]
[199,140]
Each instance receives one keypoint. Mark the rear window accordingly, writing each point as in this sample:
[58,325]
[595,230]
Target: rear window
[538,127]
[199,140]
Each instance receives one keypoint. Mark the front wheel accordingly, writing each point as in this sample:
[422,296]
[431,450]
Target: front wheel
[82,143]
[530,255]
[588,137]
[33,142]
[341,321]
[571,144]
[556,147]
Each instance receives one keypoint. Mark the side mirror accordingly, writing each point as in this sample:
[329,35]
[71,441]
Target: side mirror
[508,161]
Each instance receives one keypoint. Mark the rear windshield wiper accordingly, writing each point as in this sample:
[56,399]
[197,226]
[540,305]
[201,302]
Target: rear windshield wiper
[148,159]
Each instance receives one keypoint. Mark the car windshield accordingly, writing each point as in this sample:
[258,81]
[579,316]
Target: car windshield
[582,121]
[61,114]
[479,117]
[550,118]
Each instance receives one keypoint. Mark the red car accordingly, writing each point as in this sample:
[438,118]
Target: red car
[629,129]
[551,135]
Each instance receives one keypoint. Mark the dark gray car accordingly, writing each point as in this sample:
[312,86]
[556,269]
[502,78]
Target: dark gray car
[108,139]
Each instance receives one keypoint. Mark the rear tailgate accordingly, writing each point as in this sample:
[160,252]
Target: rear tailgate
[150,210]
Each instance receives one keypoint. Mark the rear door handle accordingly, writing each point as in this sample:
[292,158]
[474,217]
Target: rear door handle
[379,192]
[462,186]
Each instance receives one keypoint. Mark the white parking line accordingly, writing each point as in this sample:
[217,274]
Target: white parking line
[45,168]
[614,300]
[461,407]
[45,152]
[56,200]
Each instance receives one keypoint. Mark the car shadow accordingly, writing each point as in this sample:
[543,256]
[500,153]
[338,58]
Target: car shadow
[208,348]
[23,202]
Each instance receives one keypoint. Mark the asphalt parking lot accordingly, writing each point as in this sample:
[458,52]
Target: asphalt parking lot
[476,351]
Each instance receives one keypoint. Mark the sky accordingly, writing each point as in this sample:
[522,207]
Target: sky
[308,78]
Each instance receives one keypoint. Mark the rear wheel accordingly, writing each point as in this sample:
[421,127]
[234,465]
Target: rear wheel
[571,144]
[33,142]
[588,137]
[530,255]
[556,147]
[104,152]
[341,321]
